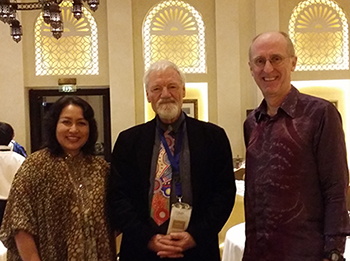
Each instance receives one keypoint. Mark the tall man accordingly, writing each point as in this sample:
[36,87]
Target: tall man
[296,169]
[146,180]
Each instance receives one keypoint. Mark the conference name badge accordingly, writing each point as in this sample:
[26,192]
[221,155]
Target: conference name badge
[179,217]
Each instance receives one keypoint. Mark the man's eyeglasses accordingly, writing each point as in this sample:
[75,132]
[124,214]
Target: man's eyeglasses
[274,60]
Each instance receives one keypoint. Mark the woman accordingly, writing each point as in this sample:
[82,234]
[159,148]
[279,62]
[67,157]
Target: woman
[56,207]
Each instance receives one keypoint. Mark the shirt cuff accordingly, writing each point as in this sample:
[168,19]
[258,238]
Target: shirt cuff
[334,242]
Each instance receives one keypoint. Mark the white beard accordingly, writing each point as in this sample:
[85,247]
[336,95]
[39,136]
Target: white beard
[168,111]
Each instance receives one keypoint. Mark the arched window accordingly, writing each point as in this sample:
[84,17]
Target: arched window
[174,30]
[319,30]
[75,53]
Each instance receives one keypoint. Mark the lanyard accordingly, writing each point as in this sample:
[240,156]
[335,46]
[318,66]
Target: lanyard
[174,159]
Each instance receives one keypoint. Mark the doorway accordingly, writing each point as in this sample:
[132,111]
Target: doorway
[41,100]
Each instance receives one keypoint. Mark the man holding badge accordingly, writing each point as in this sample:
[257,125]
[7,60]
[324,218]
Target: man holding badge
[172,183]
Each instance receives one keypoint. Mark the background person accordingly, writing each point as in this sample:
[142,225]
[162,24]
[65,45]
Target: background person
[137,193]
[15,146]
[18,148]
[56,207]
[9,163]
[296,169]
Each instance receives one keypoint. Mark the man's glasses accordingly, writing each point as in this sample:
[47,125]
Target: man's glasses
[274,60]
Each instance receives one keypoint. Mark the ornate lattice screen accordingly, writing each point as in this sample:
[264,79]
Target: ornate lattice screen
[174,30]
[319,30]
[75,53]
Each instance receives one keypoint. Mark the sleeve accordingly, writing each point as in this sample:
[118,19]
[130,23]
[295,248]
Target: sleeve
[217,200]
[20,209]
[124,212]
[246,132]
[334,178]
[248,126]
[19,149]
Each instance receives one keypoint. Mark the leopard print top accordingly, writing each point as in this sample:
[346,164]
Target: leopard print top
[60,201]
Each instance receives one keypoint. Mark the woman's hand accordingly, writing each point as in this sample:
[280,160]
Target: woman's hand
[26,246]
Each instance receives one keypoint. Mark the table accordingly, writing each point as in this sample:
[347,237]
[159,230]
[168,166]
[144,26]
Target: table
[236,216]
[235,240]
[234,243]
[2,252]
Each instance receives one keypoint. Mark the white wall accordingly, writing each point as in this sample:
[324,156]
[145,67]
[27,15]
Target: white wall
[12,95]
[228,70]
[121,65]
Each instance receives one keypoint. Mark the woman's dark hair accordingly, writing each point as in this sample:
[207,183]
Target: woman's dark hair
[51,119]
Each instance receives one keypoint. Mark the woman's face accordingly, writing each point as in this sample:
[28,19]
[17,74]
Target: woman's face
[72,130]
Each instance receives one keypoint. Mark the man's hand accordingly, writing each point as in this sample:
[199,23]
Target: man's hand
[182,240]
[162,245]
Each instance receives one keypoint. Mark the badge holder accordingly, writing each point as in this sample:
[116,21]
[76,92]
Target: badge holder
[179,217]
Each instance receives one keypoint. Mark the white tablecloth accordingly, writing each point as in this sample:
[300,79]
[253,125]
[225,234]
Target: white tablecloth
[234,243]
[235,240]
[2,252]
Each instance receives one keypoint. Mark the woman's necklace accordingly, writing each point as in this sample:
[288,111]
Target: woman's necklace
[76,169]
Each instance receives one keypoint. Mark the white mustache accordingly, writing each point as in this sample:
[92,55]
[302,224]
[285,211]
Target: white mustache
[165,101]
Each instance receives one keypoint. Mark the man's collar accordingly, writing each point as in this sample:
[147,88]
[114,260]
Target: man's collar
[288,105]
[173,126]
[5,148]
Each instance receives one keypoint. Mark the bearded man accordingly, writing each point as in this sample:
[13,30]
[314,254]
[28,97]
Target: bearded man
[172,183]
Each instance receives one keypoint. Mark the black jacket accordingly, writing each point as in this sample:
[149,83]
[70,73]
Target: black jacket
[213,189]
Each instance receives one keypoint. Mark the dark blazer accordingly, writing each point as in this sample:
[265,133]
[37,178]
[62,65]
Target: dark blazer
[213,189]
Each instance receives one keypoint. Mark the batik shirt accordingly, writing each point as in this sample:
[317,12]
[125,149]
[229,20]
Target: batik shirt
[296,181]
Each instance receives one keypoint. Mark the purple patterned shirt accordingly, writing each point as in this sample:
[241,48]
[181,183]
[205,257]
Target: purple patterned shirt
[296,181]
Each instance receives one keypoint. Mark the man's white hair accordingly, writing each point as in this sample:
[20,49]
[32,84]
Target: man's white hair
[162,65]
